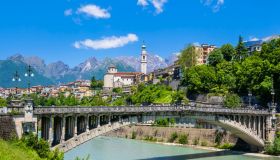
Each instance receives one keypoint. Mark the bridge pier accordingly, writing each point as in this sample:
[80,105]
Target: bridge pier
[69,127]
[62,139]
[45,128]
[51,130]
[87,123]
[57,130]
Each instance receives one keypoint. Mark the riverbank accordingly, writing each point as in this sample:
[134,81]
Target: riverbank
[162,135]
[196,136]
[260,155]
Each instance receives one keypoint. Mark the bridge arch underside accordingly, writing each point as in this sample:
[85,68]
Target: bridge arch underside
[68,131]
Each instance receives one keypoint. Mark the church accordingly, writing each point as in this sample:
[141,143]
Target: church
[115,79]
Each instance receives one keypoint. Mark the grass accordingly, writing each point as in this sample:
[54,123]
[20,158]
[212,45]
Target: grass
[10,151]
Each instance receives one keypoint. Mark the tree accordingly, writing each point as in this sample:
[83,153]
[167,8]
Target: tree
[3,102]
[188,57]
[215,57]
[228,52]
[232,101]
[241,50]
[95,84]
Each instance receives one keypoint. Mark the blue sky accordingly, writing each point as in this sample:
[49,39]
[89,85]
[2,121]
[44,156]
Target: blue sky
[73,30]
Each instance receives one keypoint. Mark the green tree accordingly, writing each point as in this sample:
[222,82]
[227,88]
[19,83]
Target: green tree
[228,52]
[96,84]
[241,50]
[3,102]
[215,57]
[188,57]
[232,101]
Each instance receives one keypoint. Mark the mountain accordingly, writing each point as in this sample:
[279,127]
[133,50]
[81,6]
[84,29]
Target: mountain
[59,72]
[8,69]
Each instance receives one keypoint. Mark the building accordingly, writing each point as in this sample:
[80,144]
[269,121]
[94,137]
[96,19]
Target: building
[253,46]
[203,52]
[115,79]
[144,60]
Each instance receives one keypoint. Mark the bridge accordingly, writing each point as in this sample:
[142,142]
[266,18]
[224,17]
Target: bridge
[68,127]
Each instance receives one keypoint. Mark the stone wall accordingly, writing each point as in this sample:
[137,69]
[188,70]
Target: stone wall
[162,134]
[7,127]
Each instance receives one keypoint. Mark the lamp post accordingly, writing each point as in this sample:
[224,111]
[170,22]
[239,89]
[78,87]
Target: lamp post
[29,73]
[250,97]
[16,79]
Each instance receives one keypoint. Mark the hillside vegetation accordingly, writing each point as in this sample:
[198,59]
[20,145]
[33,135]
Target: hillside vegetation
[11,151]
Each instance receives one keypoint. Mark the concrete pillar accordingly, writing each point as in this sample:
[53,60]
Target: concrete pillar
[62,139]
[87,122]
[263,131]
[259,125]
[254,123]
[98,121]
[110,119]
[239,119]
[75,125]
[51,130]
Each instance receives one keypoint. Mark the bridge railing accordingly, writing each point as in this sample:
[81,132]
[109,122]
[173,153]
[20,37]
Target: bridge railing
[138,109]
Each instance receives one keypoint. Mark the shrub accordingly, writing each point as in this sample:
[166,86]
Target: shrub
[204,143]
[173,137]
[133,136]
[183,139]
[150,138]
[226,146]
[196,141]
[41,147]
[274,148]
[232,101]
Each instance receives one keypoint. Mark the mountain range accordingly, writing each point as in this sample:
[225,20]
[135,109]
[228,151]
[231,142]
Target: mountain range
[59,72]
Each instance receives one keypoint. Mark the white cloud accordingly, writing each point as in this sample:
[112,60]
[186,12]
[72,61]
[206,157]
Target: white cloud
[214,4]
[142,2]
[253,38]
[68,12]
[157,4]
[106,42]
[94,11]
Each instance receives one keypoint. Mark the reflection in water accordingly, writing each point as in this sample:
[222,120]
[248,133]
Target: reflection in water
[107,148]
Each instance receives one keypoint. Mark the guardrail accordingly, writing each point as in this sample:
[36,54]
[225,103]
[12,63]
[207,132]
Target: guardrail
[145,109]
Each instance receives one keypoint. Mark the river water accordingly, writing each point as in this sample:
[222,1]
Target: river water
[109,148]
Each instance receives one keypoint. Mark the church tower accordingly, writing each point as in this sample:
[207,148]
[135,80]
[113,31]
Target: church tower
[144,59]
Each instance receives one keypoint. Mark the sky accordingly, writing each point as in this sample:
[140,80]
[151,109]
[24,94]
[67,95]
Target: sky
[74,30]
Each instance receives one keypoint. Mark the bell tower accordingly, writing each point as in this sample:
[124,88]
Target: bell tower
[144,59]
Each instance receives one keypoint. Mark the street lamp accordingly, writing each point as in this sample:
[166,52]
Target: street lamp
[250,97]
[29,73]
[16,79]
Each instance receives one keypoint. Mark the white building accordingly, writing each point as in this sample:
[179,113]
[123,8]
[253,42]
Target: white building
[115,79]
[144,60]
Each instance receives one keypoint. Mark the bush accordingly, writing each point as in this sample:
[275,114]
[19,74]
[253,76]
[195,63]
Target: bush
[41,147]
[133,136]
[183,139]
[173,137]
[232,101]
[150,139]
[204,143]
[226,146]
[196,141]
[274,148]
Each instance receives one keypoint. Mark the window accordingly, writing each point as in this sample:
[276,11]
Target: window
[144,57]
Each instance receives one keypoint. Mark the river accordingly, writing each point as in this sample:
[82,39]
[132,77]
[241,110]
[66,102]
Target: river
[109,148]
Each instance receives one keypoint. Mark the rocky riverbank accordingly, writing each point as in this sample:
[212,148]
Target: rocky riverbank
[193,136]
